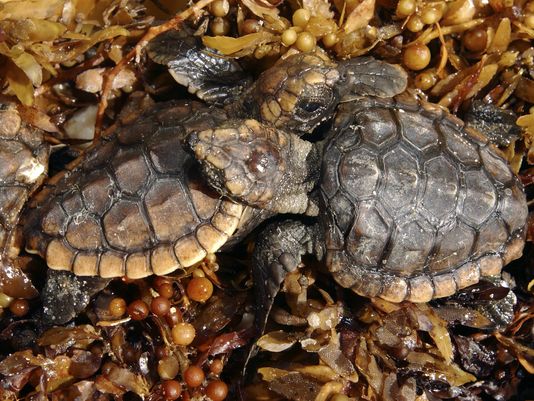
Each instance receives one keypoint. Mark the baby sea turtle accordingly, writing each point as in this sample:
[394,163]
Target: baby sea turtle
[413,205]
[134,203]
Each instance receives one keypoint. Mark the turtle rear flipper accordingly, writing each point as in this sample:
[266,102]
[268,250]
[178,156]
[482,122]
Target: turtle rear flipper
[210,76]
[366,76]
[65,295]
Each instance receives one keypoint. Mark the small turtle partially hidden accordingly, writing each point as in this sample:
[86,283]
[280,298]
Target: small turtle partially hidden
[413,205]
[23,167]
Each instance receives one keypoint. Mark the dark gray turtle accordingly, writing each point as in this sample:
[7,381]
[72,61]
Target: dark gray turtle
[435,204]
[413,205]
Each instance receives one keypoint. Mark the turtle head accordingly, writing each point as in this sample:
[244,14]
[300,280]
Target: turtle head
[297,93]
[240,159]
[301,91]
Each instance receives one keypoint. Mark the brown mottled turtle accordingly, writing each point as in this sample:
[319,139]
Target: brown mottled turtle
[413,205]
[134,204]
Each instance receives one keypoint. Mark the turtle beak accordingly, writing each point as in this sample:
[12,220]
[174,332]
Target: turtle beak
[365,76]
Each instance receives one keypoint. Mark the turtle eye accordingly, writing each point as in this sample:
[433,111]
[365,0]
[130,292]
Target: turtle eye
[310,107]
[313,105]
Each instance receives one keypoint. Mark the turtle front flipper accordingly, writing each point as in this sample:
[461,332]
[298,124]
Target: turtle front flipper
[279,249]
[259,165]
[210,76]
[65,295]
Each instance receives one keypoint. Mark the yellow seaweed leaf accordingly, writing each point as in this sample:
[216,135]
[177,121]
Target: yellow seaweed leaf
[319,26]
[333,387]
[525,354]
[25,61]
[66,51]
[459,11]
[360,16]
[486,75]
[526,121]
[427,362]
[270,374]
[32,30]
[19,83]
[41,9]
[322,373]
[228,45]
[502,37]
[261,10]
[277,341]
[439,333]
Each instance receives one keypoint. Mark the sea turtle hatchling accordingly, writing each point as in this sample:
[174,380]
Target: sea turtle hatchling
[413,205]
[134,203]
